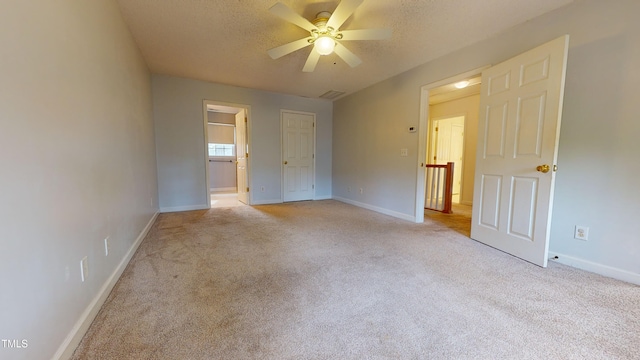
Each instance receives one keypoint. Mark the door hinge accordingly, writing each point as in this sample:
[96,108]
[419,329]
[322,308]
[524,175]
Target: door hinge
[313,124]
[436,128]
[245,119]
[434,158]
[313,186]
[246,155]
[247,189]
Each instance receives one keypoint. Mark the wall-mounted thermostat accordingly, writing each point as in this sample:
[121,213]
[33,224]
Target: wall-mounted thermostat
[412,129]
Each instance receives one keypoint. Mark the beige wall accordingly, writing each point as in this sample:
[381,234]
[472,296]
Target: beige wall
[468,107]
[78,165]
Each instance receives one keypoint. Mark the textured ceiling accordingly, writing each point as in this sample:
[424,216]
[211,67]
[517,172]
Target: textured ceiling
[226,41]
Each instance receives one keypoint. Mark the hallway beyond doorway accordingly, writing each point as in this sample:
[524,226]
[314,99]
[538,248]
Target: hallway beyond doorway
[225,199]
[459,220]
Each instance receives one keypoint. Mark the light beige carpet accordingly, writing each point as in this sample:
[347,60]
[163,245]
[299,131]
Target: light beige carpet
[326,280]
[224,199]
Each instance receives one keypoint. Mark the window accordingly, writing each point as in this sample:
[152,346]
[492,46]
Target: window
[221,149]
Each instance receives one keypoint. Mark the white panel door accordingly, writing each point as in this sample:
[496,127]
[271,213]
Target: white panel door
[297,155]
[449,141]
[242,153]
[520,112]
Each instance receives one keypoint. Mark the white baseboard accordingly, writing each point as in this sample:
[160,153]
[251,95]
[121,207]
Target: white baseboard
[233,188]
[71,342]
[377,209]
[326,197]
[267,202]
[604,270]
[183,208]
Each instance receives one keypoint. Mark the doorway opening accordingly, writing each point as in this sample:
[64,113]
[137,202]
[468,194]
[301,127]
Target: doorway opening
[227,151]
[448,133]
[452,118]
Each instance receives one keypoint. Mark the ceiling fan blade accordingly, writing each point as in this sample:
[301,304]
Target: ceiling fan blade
[346,55]
[366,34]
[288,48]
[312,61]
[342,13]
[291,16]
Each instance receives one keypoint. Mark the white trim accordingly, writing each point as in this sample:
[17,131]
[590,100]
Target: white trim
[71,342]
[395,214]
[233,188]
[600,269]
[186,208]
[205,115]
[324,197]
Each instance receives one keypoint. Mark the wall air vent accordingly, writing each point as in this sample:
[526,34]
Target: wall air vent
[332,94]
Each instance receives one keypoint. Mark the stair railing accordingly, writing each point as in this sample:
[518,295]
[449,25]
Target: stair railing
[439,192]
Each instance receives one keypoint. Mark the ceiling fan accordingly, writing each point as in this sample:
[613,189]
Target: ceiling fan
[325,34]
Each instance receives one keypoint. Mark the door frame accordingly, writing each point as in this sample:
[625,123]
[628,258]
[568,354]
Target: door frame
[423,127]
[282,111]
[224,106]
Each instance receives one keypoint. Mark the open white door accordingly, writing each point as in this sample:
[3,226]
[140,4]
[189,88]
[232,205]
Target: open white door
[298,138]
[241,155]
[518,133]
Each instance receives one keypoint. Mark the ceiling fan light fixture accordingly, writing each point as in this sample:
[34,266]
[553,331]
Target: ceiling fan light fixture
[325,34]
[324,45]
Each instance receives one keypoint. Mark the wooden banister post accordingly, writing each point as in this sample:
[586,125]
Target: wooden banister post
[448,191]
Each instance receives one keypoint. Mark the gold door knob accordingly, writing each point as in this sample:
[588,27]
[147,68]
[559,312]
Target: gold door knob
[543,168]
[285,163]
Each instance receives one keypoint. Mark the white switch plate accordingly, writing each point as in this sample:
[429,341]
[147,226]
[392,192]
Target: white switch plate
[404,152]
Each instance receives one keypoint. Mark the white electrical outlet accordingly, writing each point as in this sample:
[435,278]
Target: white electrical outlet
[404,152]
[106,246]
[262,188]
[361,191]
[84,269]
[581,232]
